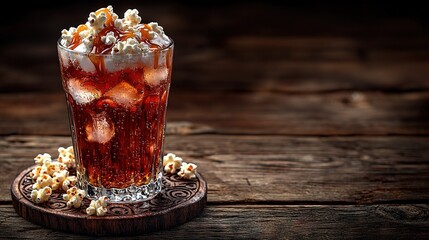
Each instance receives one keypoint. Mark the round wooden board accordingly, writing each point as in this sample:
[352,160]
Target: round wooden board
[179,202]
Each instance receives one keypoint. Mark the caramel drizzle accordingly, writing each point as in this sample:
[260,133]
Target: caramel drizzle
[100,48]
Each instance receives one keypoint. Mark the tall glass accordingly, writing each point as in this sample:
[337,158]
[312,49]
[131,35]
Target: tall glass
[117,106]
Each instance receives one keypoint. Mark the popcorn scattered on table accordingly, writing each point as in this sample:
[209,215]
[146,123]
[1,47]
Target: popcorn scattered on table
[66,156]
[63,180]
[74,197]
[69,182]
[171,163]
[41,158]
[53,175]
[36,172]
[42,181]
[187,171]
[41,195]
[50,167]
[98,207]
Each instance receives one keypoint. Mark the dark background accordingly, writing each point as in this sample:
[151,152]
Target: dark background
[232,32]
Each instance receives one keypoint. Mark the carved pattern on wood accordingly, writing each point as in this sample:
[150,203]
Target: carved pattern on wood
[179,202]
[175,191]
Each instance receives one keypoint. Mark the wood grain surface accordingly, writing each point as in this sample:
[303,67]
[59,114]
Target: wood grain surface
[264,169]
[246,221]
[340,113]
[308,120]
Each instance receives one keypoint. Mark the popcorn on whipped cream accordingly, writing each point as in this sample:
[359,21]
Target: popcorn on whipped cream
[41,195]
[74,197]
[130,46]
[98,207]
[105,32]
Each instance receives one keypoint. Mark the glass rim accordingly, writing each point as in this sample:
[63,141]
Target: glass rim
[63,48]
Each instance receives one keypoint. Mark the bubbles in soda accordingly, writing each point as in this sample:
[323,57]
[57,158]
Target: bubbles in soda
[119,120]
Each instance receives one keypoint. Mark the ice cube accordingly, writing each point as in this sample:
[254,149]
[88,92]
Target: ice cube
[154,76]
[82,93]
[124,94]
[100,129]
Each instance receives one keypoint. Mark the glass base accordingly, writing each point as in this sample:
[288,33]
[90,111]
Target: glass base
[124,195]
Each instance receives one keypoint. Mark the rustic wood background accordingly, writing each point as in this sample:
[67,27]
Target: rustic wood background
[307,120]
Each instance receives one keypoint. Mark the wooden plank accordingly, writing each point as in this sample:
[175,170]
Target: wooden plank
[276,168]
[223,69]
[268,222]
[227,74]
[343,113]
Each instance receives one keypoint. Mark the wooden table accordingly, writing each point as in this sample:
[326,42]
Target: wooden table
[307,121]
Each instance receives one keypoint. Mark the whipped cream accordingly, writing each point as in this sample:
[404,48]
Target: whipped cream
[105,33]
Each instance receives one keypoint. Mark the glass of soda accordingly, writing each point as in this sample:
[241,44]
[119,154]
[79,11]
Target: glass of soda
[117,107]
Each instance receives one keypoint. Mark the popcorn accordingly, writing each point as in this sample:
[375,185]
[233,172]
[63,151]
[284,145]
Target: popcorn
[69,182]
[46,167]
[130,25]
[63,180]
[53,175]
[187,171]
[74,197]
[42,158]
[129,22]
[66,156]
[85,33]
[109,39]
[97,21]
[52,167]
[132,17]
[67,36]
[156,28]
[98,207]
[130,46]
[42,181]
[171,163]
[120,24]
[41,195]
[87,42]
[36,172]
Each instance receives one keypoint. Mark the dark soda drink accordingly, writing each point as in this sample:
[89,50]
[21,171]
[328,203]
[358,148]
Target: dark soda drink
[118,121]
[116,76]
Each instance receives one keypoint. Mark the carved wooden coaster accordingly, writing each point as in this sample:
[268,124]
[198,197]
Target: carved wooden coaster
[179,202]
